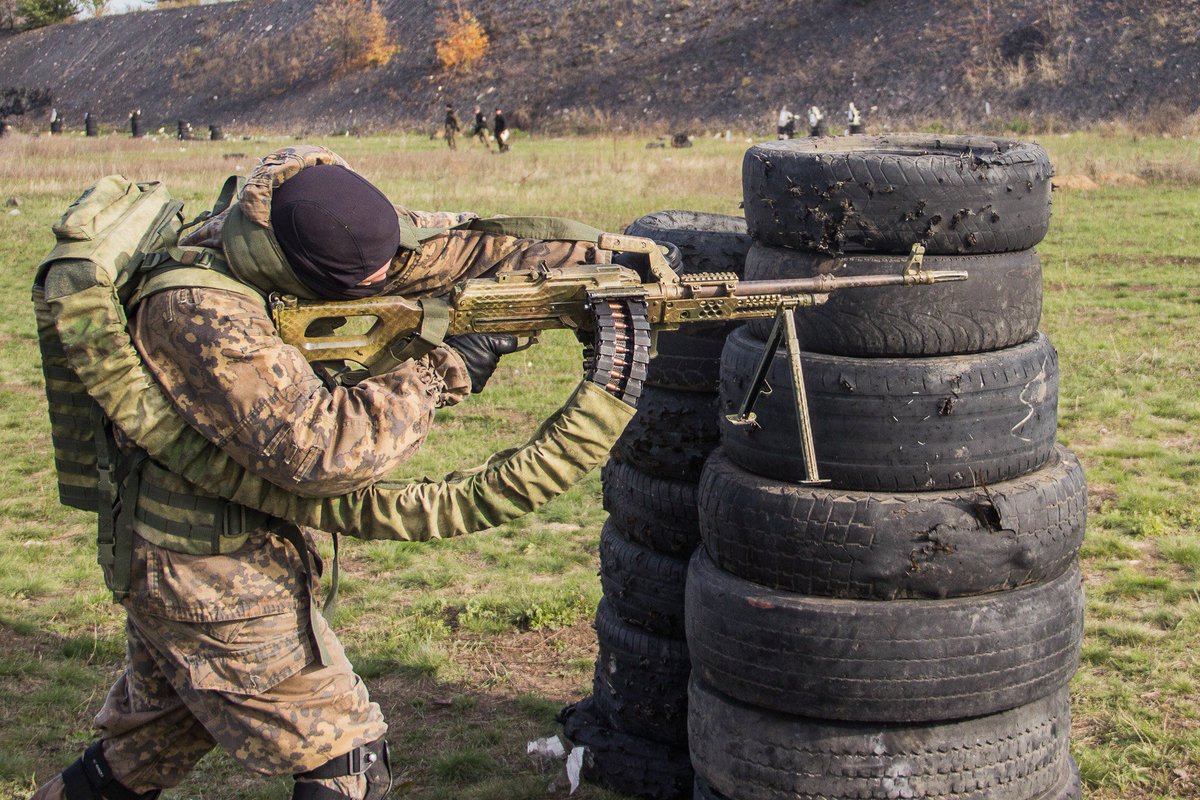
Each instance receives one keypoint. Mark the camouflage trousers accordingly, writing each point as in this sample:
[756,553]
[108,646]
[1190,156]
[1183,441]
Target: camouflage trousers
[240,674]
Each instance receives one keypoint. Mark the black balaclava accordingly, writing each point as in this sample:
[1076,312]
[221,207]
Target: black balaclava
[334,229]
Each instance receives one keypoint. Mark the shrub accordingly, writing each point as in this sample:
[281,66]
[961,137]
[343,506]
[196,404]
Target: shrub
[357,32]
[39,13]
[463,42]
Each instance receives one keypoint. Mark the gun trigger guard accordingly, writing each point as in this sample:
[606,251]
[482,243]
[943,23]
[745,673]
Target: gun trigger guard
[526,342]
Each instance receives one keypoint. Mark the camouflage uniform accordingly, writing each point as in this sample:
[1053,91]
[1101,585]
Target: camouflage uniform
[230,649]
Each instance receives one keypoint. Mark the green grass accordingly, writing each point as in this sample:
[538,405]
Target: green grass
[472,645]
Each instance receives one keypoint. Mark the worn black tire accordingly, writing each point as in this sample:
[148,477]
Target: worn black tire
[999,305]
[644,587]
[707,242]
[690,359]
[1071,789]
[899,424]
[877,546]
[671,434]
[894,661]
[641,679]
[659,513]
[882,194]
[625,763]
[748,753]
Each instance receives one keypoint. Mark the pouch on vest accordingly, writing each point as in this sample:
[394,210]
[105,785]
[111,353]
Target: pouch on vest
[107,231]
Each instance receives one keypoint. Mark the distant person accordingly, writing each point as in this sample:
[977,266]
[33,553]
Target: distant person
[135,123]
[786,129]
[816,122]
[451,127]
[854,123]
[480,129]
[56,123]
[500,131]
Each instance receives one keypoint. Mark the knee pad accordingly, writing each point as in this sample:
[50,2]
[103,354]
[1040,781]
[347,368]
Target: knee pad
[90,778]
[371,760]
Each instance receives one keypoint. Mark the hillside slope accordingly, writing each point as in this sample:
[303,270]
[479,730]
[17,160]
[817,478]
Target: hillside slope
[669,64]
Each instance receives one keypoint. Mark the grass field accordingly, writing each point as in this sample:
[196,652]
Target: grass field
[471,646]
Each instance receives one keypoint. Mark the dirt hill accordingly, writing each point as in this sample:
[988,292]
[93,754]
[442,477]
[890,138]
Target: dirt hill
[648,64]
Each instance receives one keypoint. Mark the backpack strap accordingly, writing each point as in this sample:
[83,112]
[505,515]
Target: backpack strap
[180,267]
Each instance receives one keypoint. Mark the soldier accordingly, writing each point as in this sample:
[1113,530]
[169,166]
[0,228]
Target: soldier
[500,130]
[451,127]
[480,129]
[225,643]
[135,123]
[786,128]
[854,123]
[816,122]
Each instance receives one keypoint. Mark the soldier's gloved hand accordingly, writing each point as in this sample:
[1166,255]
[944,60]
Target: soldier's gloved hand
[481,352]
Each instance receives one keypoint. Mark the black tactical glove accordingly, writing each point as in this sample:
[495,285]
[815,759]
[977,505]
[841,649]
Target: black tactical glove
[481,352]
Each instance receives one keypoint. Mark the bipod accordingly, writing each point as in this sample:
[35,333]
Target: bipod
[784,326]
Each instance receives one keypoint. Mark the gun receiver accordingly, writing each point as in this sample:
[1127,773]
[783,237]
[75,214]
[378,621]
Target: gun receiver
[525,303]
[391,329]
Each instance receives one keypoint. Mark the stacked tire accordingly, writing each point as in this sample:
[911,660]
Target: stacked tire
[907,629]
[634,725]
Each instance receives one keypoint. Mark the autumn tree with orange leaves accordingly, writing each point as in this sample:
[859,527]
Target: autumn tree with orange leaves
[462,43]
[357,33]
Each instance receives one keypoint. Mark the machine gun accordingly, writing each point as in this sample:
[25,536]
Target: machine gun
[609,305]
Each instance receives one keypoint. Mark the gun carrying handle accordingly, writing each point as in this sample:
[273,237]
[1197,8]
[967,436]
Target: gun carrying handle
[622,243]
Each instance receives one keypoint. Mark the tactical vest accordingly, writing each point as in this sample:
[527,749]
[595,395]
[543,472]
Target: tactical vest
[117,244]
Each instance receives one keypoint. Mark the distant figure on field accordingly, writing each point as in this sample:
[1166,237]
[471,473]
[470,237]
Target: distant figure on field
[500,131]
[854,123]
[135,123]
[183,130]
[786,128]
[90,128]
[56,123]
[480,129]
[816,122]
[451,127]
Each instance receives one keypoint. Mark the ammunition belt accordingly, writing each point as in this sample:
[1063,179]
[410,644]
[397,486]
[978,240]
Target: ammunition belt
[619,355]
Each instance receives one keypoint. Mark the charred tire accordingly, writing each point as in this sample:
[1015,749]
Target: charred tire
[882,194]
[749,753]
[877,546]
[894,661]
[671,434]
[899,424]
[625,763]
[656,512]
[691,358]
[641,679]
[999,305]
[644,587]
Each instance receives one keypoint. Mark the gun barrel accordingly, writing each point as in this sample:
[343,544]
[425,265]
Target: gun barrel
[823,284]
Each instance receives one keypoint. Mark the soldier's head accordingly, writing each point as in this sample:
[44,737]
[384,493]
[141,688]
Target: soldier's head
[337,231]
